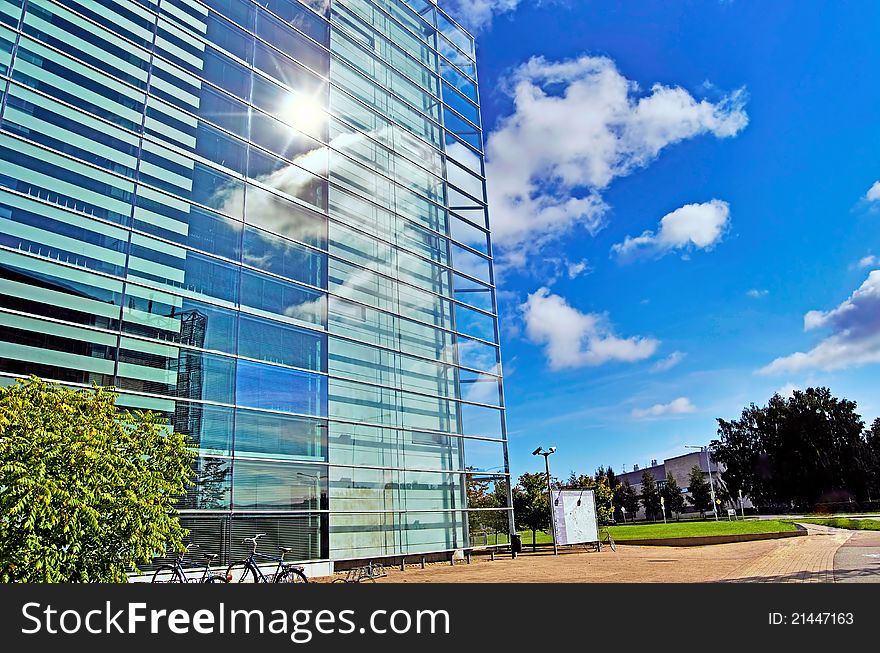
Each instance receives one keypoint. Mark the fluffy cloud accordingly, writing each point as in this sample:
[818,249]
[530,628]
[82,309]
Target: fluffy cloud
[873,194]
[854,334]
[476,14]
[787,391]
[680,406]
[757,293]
[693,226]
[669,362]
[576,126]
[574,339]
[868,261]
[577,269]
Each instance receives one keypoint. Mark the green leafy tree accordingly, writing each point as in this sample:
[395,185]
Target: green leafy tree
[87,491]
[799,451]
[700,492]
[675,501]
[601,491]
[627,498]
[531,506]
[486,492]
[650,495]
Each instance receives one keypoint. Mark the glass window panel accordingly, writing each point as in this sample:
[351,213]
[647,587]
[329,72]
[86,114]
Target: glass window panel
[278,486]
[276,342]
[275,435]
[59,352]
[226,73]
[217,190]
[480,388]
[467,234]
[477,355]
[208,427]
[185,224]
[284,258]
[471,264]
[481,421]
[484,455]
[276,388]
[474,293]
[45,288]
[287,178]
[212,485]
[283,299]
[292,43]
[241,12]
[301,18]
[276,214]
[175,372]
[159,315]
[285,141]
[473,323]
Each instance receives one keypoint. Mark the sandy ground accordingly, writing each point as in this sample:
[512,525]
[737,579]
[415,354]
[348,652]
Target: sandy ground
[801,559]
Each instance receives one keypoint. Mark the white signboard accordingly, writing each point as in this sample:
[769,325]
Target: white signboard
[575,514]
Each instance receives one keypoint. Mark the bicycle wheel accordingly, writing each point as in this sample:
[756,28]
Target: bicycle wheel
[241,572]
[291,575]
[168,574]
[216,579]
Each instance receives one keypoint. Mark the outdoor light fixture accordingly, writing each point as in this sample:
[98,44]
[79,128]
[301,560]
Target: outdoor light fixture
[540,452]
[709,469]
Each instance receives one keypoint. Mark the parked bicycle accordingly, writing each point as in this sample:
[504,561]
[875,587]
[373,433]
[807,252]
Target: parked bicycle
[248,571]
[176,573]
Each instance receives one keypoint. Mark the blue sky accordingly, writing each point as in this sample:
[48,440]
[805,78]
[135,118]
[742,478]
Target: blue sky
[685,214]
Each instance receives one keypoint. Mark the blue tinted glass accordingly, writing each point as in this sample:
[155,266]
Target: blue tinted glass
[277,388]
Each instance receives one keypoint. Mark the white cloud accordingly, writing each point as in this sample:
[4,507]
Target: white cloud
[868,261]
[476,14]
[787,390]
[873,194]
[854,339]
[577,269]
[680,406]
[693,226]
[757,293]
[576,126]
[669,362]
[574,339]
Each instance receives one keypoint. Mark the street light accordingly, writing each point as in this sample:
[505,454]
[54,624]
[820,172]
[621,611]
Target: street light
[709,468]
[540,452]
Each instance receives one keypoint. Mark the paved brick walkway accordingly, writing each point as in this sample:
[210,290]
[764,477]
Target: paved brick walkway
[796,560]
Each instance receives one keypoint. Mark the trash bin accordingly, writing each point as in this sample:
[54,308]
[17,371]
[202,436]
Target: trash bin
[515,543]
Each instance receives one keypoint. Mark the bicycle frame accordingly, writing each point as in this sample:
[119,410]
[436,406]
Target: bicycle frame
[251,562]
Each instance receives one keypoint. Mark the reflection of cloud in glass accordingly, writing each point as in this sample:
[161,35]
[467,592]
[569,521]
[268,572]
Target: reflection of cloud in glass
[311,311]
[482,390]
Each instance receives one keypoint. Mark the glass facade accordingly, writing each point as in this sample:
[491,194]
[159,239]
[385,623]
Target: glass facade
[265,219]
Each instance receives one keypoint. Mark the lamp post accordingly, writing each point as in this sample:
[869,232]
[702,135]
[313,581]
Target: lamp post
[709,468]
[540,452]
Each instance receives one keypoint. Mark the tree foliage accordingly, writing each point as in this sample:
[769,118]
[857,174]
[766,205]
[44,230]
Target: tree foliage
[800,451]
[675,501]
[650,495]
[531,505]
[87,491]
[700,491]
[626,497]
[601,491]
[486,492]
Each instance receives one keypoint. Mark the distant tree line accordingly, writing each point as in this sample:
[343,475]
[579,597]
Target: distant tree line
[800,452]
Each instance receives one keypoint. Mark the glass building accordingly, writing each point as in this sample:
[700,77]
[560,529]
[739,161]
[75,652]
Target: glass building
[267,221]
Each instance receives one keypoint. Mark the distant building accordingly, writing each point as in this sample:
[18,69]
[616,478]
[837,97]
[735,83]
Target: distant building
[680,467]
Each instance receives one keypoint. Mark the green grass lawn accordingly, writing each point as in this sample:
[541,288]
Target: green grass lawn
[680,529]
[848,524]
